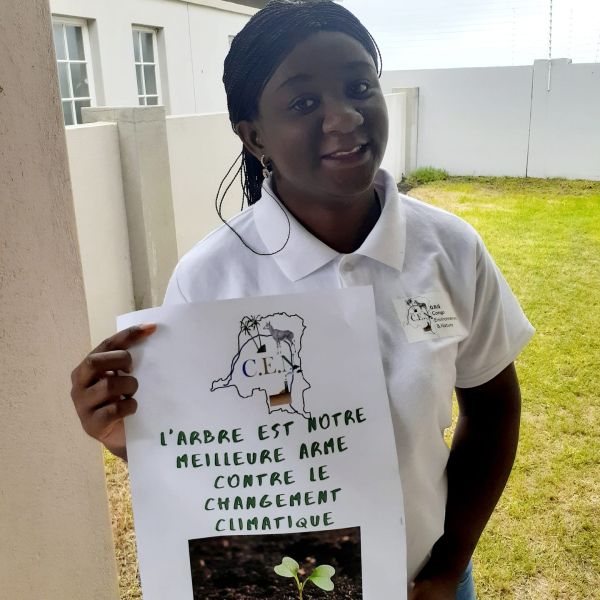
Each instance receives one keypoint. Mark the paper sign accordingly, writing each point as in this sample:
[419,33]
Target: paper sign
[262,457]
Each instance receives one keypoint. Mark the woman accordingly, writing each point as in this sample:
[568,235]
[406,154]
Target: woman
[304,97]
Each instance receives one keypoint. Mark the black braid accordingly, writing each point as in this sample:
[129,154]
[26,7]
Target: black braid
[257,51]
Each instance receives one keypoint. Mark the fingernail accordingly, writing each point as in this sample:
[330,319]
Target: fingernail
[147,327]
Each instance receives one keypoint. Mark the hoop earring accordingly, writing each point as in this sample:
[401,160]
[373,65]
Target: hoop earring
[264,161]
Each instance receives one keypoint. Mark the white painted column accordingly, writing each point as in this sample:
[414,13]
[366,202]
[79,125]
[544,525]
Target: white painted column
[411,135]
[148,198]
[54,525]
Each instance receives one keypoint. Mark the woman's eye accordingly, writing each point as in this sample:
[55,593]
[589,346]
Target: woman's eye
[304,104]
[360,88]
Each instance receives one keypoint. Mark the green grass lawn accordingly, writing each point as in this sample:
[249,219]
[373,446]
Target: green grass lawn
[543,542]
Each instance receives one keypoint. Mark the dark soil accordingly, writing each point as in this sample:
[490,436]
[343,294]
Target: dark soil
[241,567]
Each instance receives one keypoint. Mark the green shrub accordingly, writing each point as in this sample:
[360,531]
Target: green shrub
[426,175]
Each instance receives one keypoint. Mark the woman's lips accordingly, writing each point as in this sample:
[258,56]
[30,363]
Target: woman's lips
[352,156]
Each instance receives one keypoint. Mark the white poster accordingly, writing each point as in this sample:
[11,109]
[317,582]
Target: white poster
[262,455]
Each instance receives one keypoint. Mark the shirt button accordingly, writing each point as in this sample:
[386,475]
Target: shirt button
[347,268]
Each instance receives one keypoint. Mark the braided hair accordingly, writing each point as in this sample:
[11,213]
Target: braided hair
[257,51]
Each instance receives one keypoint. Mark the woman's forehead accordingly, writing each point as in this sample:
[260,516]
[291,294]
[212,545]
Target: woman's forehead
[322,53]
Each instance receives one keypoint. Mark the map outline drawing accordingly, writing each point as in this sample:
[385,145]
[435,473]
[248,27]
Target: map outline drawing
[262,341]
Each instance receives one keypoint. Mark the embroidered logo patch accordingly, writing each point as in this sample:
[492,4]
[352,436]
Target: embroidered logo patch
[429,316]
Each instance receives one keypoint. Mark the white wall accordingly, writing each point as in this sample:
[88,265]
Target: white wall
[201,150]
[95,165]
[477,121]
[565,123]
[193,41]
[394,159]
[471,121]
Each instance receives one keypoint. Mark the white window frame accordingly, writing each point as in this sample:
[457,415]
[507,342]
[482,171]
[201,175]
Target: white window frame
[156,64]
[87,50]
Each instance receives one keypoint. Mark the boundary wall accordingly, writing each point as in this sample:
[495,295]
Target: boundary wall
[531,121]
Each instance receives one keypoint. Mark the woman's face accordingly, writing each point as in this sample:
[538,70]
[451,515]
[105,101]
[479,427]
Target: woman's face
[323,119]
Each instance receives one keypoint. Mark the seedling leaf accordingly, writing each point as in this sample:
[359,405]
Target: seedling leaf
[288,567]
[323,571]
[323,582]
[321,577]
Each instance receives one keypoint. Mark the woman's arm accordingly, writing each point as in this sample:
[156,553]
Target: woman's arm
[481,458]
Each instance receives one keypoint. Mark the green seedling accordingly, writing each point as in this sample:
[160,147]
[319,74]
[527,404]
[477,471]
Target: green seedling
[320,576]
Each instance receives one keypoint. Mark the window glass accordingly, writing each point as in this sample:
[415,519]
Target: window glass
[68,112]
[136,46]
[73,69]
[75,42]
[59,42]
[63,78]
[79,80]
[147,47]
[79,104]
[140,79]
[146,67]
[150,79]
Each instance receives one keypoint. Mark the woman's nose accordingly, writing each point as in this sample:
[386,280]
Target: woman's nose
[341,117]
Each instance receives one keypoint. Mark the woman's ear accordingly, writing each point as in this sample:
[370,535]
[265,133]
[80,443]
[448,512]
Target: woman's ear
[250,136]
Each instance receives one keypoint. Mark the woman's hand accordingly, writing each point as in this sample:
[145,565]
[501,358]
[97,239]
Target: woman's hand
[433,589]
[102,396]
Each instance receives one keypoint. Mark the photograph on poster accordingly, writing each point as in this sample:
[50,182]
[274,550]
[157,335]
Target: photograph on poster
[313,564]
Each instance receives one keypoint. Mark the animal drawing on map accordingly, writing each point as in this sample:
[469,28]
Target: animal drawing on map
[280,335]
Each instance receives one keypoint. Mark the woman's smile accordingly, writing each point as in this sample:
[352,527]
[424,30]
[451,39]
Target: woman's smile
[355,156]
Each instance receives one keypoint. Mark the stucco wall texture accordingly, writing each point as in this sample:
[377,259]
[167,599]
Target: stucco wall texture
[54,524]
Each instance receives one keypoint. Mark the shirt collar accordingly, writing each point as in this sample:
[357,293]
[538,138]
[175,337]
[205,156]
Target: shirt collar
[304,253]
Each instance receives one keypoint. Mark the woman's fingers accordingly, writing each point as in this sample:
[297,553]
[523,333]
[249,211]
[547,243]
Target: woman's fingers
[95,365]
[109,355]
[101,396]
[104,419]
[125,338]
[110,389]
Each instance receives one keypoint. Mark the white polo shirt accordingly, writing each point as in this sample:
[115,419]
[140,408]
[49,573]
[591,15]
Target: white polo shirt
[445,315]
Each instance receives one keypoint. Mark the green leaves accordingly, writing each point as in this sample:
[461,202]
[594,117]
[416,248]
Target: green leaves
[321,577]
[288,567]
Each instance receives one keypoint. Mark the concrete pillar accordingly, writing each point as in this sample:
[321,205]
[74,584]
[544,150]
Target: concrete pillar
[148,199]
[411,136]
[55,540]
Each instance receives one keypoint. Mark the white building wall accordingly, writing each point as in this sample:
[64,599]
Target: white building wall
[95,165]
[193,40]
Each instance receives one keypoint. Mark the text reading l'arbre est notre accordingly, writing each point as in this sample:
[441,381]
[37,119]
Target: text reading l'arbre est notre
[236,436]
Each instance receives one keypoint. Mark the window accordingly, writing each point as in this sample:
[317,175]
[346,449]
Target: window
[72,49]
[146,66]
